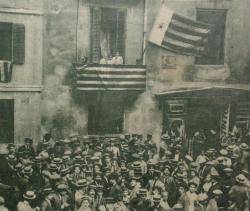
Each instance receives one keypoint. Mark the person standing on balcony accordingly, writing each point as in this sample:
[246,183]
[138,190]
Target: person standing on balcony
[117,59]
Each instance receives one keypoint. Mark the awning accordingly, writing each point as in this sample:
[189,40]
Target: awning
[114,3]
[227,90]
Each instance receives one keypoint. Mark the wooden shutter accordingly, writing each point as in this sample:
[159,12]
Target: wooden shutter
[95,35]
[120,32]
[18,34]
[5,41]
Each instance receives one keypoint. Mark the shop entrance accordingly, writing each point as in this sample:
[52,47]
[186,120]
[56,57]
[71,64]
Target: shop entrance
[203,115]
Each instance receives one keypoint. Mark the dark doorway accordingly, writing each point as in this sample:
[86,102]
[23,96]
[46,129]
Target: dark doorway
[105,114]
[6,121]
[202,114]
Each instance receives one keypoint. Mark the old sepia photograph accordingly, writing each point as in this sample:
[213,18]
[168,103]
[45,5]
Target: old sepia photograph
[124,105]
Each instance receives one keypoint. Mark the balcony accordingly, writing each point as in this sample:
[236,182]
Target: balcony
[105,77]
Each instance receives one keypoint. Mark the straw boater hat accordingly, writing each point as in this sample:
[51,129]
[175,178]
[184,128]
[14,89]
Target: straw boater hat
[62,186]
[57,161]
[223,152]
[241,179]
[81,183]
[30,195]
[243,146]
[217,192]
[27,170]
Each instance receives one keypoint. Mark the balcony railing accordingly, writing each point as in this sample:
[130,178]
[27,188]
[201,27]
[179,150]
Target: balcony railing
[98,77]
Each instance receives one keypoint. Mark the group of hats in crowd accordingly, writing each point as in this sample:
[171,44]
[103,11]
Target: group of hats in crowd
[129,172]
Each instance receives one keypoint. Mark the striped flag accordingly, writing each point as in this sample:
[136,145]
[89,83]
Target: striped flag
[107,77]
[179,34]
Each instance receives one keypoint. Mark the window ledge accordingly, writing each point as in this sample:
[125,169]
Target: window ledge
[20,88]
[21,11]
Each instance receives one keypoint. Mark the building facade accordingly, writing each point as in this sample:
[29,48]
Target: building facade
[153,91]
[21,58]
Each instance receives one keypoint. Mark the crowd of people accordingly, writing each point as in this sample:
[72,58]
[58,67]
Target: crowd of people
[131,172]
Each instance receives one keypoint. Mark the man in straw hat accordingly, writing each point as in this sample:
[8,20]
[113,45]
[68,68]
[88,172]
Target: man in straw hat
[25,205]
[239,193]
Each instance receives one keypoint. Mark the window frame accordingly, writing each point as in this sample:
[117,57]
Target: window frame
[221,60]
[99,7]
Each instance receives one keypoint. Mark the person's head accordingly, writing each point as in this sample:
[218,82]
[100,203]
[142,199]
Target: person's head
[164,195]
[166,172]
[192,173]
[92,192]
[181,189]
[28,141]
[85,203]
[77,169]
[192,187]
[117,53]
[47,136]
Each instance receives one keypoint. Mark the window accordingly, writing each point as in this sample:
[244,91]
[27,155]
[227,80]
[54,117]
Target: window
[214,47]
[107,33]
[105,116]
[6,121]
[12,42]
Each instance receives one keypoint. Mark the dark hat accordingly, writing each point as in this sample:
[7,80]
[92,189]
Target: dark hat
[28,140]
[30,195]
[149,136]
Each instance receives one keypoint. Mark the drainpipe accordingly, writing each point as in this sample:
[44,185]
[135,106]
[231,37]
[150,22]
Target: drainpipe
[145,23]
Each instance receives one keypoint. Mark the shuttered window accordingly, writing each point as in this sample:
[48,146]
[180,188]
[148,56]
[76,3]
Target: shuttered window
[107,32]
[214,47]
[6,121]
[12,42]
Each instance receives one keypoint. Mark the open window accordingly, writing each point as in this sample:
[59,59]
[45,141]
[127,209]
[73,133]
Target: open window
[214,47]
[108,35]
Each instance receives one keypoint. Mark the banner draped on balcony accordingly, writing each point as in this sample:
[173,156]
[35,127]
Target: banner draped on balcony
[179,34]
[108,77]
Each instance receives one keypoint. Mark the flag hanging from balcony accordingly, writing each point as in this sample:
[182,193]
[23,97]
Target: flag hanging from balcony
[179,34]
[108,77]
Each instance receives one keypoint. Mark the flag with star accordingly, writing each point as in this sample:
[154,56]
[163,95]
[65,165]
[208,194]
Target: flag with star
[179,34]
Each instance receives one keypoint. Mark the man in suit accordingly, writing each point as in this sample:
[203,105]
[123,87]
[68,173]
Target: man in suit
[27,148]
